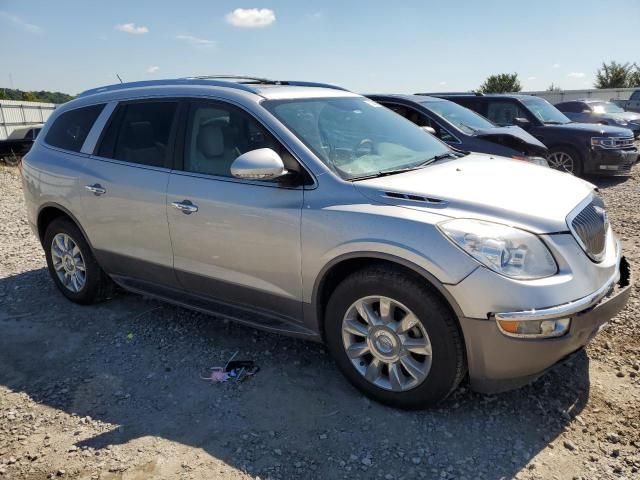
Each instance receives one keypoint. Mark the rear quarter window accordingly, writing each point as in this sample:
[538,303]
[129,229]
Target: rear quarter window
[70,129]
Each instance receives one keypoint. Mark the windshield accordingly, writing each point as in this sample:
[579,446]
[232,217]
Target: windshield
[544,111]
[463,118]
[606,107]
[355,136]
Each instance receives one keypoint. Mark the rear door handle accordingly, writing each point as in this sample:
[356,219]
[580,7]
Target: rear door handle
[96,189]
[185,207]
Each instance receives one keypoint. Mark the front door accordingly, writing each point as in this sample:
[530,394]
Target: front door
[125,189]
[233,240]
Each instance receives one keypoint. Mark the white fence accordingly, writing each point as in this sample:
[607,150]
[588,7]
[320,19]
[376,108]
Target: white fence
[596,94]
[16,114]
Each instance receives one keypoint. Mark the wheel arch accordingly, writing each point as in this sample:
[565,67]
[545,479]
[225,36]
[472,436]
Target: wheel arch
[342,266]
[51,211]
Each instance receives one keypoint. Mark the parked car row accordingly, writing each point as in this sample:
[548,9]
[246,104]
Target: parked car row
[578,148]
[18,144]
[308,210]
[601,112]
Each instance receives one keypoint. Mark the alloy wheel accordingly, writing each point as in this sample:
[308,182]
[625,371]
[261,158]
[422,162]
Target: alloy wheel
[561,161]
[386,343]
[68,262]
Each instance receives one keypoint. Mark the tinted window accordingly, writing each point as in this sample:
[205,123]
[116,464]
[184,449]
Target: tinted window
[139,133]
[504,113]
[421,120]
[466,120]
[635,95]
[572,107]
[70,129]
[217,134]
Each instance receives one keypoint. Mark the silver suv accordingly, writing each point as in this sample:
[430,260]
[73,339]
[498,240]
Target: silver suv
[308,210]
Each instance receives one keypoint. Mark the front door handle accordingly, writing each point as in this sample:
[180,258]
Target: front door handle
[185,207]
[96,189]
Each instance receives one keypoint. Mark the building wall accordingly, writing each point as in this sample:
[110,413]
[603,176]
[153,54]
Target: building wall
[16,114]
[598,94]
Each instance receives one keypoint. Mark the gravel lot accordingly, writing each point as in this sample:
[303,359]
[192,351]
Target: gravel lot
[113,392]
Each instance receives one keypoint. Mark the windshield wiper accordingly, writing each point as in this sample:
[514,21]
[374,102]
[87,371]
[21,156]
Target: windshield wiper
[554,122]
[393,171]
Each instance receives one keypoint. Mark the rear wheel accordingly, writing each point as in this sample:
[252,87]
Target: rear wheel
[72,264]
[394,338]
[565,159]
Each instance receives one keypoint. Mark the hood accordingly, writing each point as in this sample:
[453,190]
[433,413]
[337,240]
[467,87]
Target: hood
[591,128]
[485,187]
[514,137]
[628,116]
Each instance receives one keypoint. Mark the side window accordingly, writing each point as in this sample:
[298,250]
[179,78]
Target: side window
[572,107]
[139,133]
[635,95]
[504,113]
[422,121]
[217,134]
[70,129]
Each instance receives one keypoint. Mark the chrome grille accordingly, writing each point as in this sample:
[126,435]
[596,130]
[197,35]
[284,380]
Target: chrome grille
[589,226]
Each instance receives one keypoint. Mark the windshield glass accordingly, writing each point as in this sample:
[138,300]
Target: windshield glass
[461,117]
[606,107]
[544,111]
[355,136]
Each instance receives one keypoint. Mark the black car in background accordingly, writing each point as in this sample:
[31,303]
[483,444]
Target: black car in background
[578,148]
[601,112]
[18,144]
[464,129]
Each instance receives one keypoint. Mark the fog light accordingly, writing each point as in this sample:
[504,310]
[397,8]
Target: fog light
[534,328]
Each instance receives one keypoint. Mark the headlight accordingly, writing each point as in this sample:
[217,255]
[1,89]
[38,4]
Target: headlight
[604,142]
[508,251]
[535,160]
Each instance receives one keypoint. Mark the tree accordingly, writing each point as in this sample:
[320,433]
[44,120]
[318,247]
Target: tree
[553,88]
[501,83]
[634,77]
[614,75]
[29,97]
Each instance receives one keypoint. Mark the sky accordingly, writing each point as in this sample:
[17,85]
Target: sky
[399,46]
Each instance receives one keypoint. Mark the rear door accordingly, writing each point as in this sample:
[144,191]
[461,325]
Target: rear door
[125,187]
[237,241]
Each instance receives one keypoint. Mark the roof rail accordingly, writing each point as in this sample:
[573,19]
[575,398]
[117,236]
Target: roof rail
[173,81]
[249,80]
[239,82]
[450,94]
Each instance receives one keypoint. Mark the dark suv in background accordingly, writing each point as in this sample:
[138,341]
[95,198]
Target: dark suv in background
[578,148]
[601,112]
[464,129]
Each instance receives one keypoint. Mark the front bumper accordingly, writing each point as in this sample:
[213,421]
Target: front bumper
[498,362]
[611,162]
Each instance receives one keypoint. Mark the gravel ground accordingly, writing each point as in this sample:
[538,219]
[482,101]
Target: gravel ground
[113,392]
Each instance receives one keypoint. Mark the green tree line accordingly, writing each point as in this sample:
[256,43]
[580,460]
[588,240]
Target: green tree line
[43,96]
[610,75]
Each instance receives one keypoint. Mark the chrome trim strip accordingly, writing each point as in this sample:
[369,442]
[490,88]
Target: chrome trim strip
[570,308]
[596,257]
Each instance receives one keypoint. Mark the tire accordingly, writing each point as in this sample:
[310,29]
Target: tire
[436,326]
[97,286]
[563,152]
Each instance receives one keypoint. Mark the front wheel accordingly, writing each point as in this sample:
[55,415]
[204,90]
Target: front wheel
[394,338]
[565,159]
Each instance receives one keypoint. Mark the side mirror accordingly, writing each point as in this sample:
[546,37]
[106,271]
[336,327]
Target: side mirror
[430,130]
[260,164]
[521,122]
